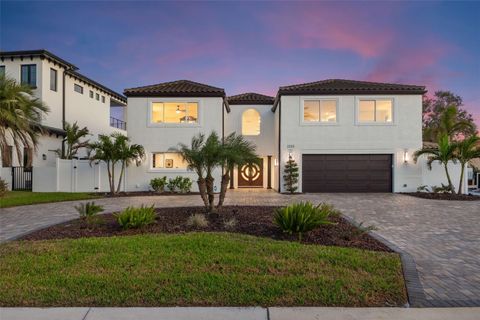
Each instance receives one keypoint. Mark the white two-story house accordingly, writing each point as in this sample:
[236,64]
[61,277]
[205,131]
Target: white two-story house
[70,97]
[346,136]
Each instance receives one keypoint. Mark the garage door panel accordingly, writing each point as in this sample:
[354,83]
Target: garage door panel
[347,173]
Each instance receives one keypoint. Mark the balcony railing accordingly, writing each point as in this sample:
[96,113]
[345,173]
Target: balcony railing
[117,123]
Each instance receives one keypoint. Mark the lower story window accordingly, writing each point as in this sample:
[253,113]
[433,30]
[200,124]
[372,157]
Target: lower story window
[168,160]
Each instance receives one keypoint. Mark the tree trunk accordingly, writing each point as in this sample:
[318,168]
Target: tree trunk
[461,179]
[202,188]
[211,196]
[112,183]
[223,188]
[448,178]
[122,172]
[109,175]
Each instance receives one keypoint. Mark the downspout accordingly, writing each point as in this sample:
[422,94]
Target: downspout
[279,143]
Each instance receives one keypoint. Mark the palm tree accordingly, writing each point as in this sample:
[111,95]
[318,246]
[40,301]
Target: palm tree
[105,150]
[72,140]
[235,151]
[444,153]
[211,153]
[20,116]
[466,150]
[127,154]
[192,154]
[449,124]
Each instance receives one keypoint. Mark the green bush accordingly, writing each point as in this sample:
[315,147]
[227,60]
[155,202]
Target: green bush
[197,220]
[302,217]
[88,211]
[158,184]
[133,217]
[185,185]
[3,187]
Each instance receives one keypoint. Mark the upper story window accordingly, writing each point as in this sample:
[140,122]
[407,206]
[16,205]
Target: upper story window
[324,110]
[78,88]
[97,96]
[90,94]
[103,99]
[28,75]
[251,122]
[53,79]
[372,110]
[174,112]
[2,71]
[168,160]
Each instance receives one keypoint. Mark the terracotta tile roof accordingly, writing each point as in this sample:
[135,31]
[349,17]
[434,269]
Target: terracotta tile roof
[250,98]
[343,87]
[179,88]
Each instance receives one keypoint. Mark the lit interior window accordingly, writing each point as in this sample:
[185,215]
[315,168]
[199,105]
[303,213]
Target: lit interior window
[168,160]
[251,122]
[175,112]
[320,111]
[375,111]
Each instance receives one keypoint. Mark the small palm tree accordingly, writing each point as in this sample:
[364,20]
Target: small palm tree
[449,124]
[444,153]
[211,153]
[72,140]
[466,150]
[235,151]
[105,150]
[20,116]
[127,154]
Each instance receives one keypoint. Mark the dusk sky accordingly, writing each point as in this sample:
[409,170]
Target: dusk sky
[257,46]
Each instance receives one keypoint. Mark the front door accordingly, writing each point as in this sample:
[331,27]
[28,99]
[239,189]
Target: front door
[251,175]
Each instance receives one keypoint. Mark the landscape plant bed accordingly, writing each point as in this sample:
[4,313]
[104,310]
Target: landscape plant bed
[195,269]
[144,194]
[444,196]
[252,220]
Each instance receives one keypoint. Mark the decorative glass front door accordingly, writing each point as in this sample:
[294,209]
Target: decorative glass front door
[251,176]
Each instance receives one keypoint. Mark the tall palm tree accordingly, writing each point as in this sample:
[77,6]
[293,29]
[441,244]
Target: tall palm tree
[20,116]
[211,153]
[127,154]
[466,150]
[192,155]
[105,150]
[72,140]
[235,151]
[444,153]
[449,124]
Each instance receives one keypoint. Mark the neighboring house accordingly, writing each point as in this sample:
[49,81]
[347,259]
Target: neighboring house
[346,136]
[70,97]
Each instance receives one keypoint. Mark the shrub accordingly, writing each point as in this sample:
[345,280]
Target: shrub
[3,187]
[302,217]
[197,221]
[230,223]
[173,184]
[133,217]
[185,185]
[158,184]
[88,211]
[442,189]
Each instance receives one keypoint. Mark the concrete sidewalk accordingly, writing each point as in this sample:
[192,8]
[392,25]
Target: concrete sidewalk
[230,313]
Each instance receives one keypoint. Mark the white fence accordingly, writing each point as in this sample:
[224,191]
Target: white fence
[74,176]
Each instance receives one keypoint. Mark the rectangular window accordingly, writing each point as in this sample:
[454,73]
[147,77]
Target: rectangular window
[97,96]
[7,156]
[103,99]
[53,79]
[78,88]
[91,94]
[168,160]
[320,111]
[2,71]
[28,75]
[174,112]
[380,111]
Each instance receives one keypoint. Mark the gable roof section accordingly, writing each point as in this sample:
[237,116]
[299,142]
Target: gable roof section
[42,53]
[179,88]
[250,98]
[346,87]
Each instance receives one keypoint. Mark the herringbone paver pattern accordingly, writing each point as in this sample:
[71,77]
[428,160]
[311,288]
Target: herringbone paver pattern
[443,237]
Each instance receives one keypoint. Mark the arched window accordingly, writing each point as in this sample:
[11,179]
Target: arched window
[251,122]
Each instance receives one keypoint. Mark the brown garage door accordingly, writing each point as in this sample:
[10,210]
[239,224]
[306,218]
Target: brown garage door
[347,172]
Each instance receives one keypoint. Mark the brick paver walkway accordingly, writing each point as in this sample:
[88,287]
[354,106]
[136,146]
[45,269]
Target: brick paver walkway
[442,236]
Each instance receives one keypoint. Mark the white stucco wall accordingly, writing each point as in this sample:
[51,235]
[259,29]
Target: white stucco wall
[349,137]
[160,138]
[437,176]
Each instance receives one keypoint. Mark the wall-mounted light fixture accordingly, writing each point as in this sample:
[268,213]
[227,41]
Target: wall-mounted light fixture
[44,156]
[275,162]
[405,156]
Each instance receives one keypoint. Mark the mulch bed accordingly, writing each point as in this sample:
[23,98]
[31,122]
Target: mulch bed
[144,194]
[251,220]
[443,196]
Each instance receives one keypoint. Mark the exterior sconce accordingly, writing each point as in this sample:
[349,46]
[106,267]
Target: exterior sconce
[275,163]
[405,156]
[44,156]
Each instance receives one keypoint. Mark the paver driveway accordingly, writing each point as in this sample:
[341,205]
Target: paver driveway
[442,236]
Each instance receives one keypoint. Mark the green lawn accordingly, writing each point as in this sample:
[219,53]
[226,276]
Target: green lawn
[219,269]
[20,198]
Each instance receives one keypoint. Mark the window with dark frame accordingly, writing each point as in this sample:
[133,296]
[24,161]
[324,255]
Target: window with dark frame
[53,79]
[97,96]
[28,75]
[103,99]
[2,71]
[78,88]
[91,94]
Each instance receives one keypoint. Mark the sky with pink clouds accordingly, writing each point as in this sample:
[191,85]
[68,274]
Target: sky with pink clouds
[257,46]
